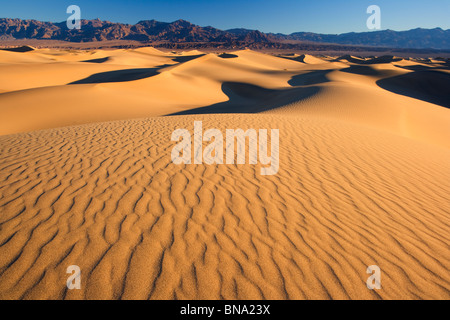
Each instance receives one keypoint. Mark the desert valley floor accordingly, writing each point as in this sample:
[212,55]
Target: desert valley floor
[86,176]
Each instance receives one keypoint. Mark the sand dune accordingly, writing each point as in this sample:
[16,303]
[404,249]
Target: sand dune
[305,58]
[86,176]
[19,49]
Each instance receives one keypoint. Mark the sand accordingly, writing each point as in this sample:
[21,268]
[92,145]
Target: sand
[86,176]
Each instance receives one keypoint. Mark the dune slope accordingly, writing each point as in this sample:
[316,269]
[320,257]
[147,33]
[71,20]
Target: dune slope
[107,198]
[86,177]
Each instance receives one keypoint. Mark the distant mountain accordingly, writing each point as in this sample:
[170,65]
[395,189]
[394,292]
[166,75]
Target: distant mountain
[239,31]
[181,31]
[416,38]
[247,35]
[97,30]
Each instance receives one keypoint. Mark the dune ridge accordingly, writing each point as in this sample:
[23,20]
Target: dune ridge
[153,83]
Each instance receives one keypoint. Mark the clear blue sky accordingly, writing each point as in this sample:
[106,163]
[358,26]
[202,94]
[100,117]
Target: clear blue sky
[285,16]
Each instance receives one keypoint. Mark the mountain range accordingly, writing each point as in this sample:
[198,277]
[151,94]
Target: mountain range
[182,31]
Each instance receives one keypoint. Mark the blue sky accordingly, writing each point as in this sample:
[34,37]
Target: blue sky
[285,16]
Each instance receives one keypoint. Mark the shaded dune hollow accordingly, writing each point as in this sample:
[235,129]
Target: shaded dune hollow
[87,178]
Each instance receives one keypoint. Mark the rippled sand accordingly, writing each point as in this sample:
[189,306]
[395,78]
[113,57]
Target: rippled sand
[86,177]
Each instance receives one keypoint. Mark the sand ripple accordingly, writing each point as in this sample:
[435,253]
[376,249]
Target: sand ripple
[107,198]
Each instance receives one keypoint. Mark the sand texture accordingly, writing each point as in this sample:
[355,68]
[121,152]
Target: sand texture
[86,176]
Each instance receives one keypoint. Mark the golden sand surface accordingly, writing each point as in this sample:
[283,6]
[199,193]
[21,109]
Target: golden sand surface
[86,176]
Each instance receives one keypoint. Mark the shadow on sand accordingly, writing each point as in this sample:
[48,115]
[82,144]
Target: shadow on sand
[121,75]
[374,60]
[99,60]
[249,98]
[310,78]
[19,49]
[128,74]
[427,85]
[227,56]
[443,66]
[182,59]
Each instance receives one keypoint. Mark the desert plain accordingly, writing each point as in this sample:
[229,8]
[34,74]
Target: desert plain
[86,176]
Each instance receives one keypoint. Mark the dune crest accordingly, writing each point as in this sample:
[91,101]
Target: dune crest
[154,83]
